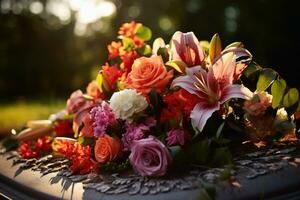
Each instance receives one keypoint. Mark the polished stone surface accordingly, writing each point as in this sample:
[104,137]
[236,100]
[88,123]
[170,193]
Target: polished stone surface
[269,173]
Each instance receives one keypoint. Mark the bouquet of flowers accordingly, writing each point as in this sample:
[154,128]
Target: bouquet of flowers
[153,108]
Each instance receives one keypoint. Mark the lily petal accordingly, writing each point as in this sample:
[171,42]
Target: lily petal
[237,51]
[235,91]
[185,82]
[185,47]
[224,68]
[200,114]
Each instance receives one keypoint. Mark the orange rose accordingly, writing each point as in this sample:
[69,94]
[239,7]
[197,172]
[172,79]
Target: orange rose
[148,73]
[107,148]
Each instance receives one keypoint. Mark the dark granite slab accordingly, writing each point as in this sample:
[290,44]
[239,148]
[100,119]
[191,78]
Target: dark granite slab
[268,174]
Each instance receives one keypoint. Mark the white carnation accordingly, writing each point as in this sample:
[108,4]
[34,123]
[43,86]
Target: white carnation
[126,103]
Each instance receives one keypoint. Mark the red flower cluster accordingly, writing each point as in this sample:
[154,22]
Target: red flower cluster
[129,30]
[79,155]
[63,128]
[111,74]
[178,103]
[32,149]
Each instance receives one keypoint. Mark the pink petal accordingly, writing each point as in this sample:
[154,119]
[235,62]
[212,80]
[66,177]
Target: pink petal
[185,47]
[200,114]
[224,68]
[186,83]
[235,91]
[238,52]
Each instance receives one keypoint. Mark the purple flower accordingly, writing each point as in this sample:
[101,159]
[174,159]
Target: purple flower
[150,157]
[102,116]
[177,137]
[135,131]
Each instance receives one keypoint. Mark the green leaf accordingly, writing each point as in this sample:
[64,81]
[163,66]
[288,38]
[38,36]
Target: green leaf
[251,70]
[128,44]
[208,191]
[163,52]
[156,101]
[177,65]
[266,78]
[277,91]
[85,140]
[222,156]
[144,33]
[220,129]
[199,151]
[290,98]
[145,50]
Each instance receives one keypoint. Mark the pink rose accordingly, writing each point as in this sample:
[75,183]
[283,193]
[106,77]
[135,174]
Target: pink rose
[150,157]
[177,137]
[76,102]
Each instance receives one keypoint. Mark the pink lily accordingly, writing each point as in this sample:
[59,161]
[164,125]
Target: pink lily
[212,87]
[185,47]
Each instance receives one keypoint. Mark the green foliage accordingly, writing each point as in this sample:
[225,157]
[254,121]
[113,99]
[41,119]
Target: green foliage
[252,71]
[145,50]
[291,98]
[115,167]
[266,78]
[277,91]
[163,52]
[128,43]
[85,140]
[156,102]
[219,131]
[208,191]
[144,33]
[222,156]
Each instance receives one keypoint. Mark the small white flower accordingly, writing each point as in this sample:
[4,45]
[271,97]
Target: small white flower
[126,103]
[281,114]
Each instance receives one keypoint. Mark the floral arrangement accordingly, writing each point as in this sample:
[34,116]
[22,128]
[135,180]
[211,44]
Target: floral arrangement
[154,108]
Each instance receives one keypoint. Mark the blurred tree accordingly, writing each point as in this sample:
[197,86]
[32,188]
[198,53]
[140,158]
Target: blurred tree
[44,52]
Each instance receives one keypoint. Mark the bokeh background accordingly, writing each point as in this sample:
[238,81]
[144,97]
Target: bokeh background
[48,48]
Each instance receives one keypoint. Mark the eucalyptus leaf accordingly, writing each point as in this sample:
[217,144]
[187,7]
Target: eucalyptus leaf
[277,91]
[291,98]
[266,78]
[144,33]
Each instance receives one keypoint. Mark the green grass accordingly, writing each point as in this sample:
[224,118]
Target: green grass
[15,115]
